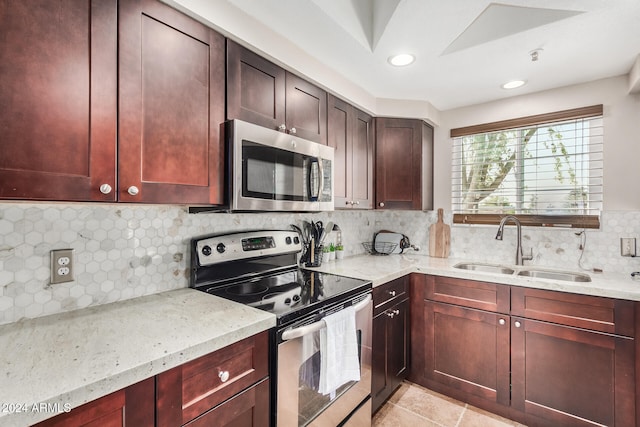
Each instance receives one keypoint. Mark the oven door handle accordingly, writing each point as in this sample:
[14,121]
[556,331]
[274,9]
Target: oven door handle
[316,326]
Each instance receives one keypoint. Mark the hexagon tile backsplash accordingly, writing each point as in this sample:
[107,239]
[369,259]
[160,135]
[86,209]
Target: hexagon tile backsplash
[123,251]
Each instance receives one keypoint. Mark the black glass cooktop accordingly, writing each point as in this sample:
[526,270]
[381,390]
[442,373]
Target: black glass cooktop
[291,294]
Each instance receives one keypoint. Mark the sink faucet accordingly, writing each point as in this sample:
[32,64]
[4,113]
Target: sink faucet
[519,257]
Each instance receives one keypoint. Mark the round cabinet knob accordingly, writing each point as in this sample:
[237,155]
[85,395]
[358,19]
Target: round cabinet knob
[223,375]
[206,251]
[292,131]
[348,202]
[392,293]
[390,314]
[357,202]
[133,190]
[282,127]
[105,189]
[396,312]
[517,324]
[381,204]
[293,144]
[221,248]
[502,321]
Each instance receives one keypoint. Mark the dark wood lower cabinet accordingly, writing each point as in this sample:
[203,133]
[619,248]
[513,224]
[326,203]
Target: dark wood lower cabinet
[535,371]
[131,407]
[229,387]
[390,360]
[572,376]
[468,350]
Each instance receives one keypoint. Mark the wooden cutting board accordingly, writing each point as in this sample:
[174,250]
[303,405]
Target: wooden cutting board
[439,238]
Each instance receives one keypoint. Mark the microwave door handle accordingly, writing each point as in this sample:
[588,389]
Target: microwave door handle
[316,326]
[321,178]
[312,196]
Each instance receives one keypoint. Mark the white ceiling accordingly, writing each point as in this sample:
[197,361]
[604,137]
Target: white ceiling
[465,49]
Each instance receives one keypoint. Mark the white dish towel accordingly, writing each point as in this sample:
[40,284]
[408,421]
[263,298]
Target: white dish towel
[339,361]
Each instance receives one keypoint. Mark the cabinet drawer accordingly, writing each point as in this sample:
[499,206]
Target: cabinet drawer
[186,392]
[384,296]
[247,409]
[468,293]
[580,311]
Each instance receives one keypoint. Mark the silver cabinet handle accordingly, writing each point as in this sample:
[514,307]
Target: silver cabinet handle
[282,127]
[390,314]
[133,190]
[396,312]
[357,202]
[381,204]
[502,321]
[517,324]
[105,189]
[392,293]
[292,131]
[223,375]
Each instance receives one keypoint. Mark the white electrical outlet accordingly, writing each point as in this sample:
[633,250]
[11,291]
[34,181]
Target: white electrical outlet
[61,266]
[628,246]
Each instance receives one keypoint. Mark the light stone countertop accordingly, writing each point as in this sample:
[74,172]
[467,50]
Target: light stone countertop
[75,357]
[383,268]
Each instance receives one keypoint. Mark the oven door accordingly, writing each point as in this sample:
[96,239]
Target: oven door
[298,401]
[276,171]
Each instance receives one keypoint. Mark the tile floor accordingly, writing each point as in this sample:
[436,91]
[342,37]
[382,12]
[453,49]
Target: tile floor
[412,405]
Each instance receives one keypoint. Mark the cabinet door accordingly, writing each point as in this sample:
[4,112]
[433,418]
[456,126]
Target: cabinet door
[350,133]
[171,101]
[340,135]
[572,376]
[398,343]
[58,97]
[255,88]
[306,109]
[362,160]
[391,352]
[398,164]
[468,350]
[132,407]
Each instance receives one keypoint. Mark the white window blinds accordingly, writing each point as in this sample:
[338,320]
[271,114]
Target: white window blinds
[552,168]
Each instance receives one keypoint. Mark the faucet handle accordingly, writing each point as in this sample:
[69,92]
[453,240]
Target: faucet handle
[528,257]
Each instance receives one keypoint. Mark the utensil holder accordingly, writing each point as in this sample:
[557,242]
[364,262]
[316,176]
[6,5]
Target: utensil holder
[306,260]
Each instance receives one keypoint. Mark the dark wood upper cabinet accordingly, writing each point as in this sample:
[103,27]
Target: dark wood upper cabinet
[260,92]
[58,99]
[350,131]
[399,163]
[255,87]
[171,106]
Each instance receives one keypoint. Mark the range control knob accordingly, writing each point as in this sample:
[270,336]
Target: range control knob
[221,248]
[296,298]
[296,240]
[206,251]
[287,240]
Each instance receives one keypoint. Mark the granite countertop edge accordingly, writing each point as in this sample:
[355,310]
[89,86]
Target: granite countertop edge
[72,358]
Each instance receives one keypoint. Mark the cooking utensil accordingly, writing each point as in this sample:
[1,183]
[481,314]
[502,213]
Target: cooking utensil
[439,237]
[325,231]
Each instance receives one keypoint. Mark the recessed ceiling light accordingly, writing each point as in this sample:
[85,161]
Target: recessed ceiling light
[401,60]
[513,84]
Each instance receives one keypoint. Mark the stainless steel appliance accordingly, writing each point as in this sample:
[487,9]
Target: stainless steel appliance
[277,171]
[259,268]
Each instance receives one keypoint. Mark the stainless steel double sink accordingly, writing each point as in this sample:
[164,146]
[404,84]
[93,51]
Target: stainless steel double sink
[525,271]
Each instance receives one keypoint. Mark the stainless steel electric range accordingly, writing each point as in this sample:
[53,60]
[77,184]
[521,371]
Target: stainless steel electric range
[259,268]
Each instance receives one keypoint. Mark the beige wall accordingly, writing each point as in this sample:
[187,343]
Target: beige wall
[621,134]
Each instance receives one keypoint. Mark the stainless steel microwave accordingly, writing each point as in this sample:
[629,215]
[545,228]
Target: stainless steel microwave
[276,171]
